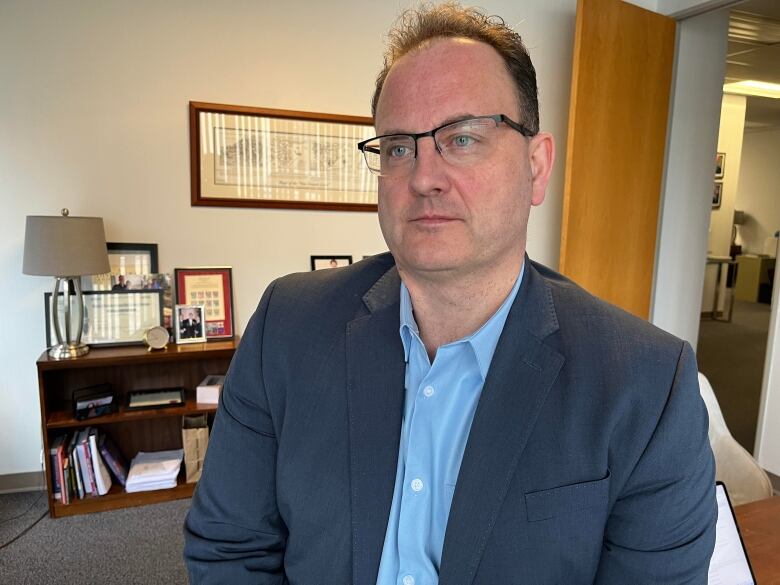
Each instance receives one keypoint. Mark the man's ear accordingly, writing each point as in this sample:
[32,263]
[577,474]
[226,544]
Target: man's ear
[541,154]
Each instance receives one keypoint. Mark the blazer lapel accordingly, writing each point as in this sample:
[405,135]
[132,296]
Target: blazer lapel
[375,391]
[521,373]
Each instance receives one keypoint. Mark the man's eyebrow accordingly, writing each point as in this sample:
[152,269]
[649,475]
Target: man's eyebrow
[449,120]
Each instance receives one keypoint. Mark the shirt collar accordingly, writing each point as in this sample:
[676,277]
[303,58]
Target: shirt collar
[483,341]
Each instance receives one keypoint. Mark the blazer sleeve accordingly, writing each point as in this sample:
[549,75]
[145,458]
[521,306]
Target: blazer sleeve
[662,527]
[233,532]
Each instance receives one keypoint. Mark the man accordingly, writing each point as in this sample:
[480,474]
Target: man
[454,413]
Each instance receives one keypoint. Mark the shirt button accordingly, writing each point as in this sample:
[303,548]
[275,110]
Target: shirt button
[428,391]
[417,485]
[408,580]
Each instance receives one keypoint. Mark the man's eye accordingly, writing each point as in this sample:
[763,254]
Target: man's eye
[462,140]
[399,151]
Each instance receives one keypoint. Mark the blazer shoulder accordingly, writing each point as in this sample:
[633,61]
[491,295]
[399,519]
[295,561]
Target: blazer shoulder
[320,295]
[590,317]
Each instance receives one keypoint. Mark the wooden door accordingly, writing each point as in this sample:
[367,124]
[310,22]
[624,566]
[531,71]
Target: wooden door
[618,117]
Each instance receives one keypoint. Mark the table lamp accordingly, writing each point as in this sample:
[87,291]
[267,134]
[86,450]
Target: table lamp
[66,248]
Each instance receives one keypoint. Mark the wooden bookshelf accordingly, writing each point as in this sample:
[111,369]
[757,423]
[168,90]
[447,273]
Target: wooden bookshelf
[155,429]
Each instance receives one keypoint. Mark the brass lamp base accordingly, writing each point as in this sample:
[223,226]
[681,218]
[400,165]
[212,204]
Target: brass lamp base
[66,351]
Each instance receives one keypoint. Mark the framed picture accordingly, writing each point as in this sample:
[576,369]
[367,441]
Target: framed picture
[716,195]
[258,157]
[211,287]
[126,261]
[720,165]
[320,262]
[112,317]
[189,323]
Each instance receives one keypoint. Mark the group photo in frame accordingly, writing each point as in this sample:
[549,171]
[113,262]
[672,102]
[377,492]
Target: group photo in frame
[128,262]
[211,287]
[190,323]
[113,318]
[243,156]
[323,262]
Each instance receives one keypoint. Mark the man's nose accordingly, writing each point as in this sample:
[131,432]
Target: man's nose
[428,176]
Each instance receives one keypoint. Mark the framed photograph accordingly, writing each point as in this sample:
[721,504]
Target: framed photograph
[258,157]
[320,262]
[716,195]
[113,318]
[189,324]
[720,165]
[127,261]
[211,287]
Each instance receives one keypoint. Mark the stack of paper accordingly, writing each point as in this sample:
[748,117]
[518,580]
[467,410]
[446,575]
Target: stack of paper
[154,471]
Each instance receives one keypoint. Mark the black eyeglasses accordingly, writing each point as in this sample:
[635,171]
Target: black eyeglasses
[462,143]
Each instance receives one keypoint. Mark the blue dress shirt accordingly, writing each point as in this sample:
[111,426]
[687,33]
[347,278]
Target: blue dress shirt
[439,406]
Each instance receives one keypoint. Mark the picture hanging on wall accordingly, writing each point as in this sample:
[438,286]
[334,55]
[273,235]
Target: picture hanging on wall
[259,157]
[720,165]
[320,262]
[716,195]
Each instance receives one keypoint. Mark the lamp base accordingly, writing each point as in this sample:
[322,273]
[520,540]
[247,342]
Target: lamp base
[65,351]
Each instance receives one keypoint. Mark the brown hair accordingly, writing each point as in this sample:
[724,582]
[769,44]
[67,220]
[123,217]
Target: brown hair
[416,27]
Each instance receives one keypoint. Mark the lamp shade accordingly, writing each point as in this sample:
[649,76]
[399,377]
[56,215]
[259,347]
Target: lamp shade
[64,246]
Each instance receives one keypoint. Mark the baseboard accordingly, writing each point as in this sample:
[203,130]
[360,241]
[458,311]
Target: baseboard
[775,482]
[22,482]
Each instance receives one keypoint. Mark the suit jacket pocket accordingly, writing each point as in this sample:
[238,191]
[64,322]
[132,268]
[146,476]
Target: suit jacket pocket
[566,499]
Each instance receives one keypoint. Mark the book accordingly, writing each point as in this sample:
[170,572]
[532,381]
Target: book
[113,458]
[85,463]
[102,477]
[207,392]
[74,463]
[154,471]
[55,466]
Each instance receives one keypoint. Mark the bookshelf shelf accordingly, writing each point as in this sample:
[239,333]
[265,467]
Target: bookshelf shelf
[156,429]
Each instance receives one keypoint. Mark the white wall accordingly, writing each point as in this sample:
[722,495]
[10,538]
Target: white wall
[732,127]
[93,117]
[767,448]
[759,189]
[687,8]
[693,135]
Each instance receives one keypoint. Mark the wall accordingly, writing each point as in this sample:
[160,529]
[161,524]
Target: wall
[93,117]
[693,135]
[732,126]
[759,189]
[767,449]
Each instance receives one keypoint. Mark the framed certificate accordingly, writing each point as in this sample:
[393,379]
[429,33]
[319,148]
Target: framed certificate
[113,317]
[211,287]
[259,157]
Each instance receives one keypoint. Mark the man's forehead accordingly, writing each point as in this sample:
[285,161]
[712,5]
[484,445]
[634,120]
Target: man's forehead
[445,80]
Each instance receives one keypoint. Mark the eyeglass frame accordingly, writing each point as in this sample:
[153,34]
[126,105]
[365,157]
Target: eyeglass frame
[497,118]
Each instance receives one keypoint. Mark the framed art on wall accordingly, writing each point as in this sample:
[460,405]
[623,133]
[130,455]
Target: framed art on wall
[320,262]
[717,194]
[258,157]
[720,165]
[211,287]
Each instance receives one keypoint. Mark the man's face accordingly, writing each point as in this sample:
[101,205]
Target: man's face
[444,220]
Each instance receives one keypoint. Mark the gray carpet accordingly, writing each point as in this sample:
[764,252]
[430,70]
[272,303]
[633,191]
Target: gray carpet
[731,355]
[131,546]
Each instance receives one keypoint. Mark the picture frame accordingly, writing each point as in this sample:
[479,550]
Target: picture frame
[243,156]
[720,165]
[717,194]
[212,287]
[113,318]
[333,261]
[125,259]
[189,323]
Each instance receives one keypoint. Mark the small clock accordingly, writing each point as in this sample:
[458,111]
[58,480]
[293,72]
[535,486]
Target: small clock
[156,337]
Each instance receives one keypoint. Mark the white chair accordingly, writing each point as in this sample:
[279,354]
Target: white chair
[734,466]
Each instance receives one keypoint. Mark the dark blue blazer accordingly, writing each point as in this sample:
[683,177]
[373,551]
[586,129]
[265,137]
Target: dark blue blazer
[587,460]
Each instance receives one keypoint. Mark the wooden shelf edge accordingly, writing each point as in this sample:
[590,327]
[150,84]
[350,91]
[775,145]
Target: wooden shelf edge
[65,420]
[115,500]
